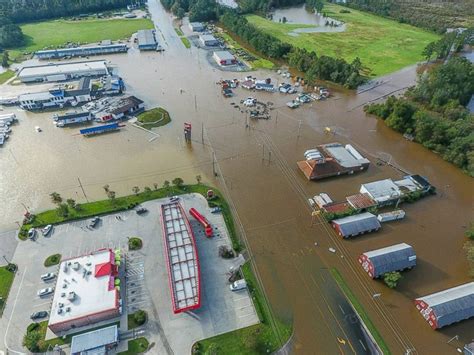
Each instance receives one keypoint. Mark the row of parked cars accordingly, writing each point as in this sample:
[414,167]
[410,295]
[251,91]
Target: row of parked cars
[42,293]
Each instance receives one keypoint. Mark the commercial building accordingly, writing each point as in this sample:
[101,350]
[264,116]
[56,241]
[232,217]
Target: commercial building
[447,307]
[147,40]
[81,51]
[196,26]
[96,342]
[86,291]
[62,71]
[70,118]
[224,58]
[384,192]
[208,40]
[469,349]
[181,258]
[114,108]
[361,202]
[356,225]
[334,159]
[393,258]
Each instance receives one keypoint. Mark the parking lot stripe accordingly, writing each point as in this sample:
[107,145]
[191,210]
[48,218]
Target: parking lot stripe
[42,304]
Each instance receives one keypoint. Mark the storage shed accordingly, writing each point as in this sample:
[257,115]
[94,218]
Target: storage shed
[95,342]
[396,257]
[196,26]
[384,192]
[208,40]
[447,307]
[224,58]
[355,225]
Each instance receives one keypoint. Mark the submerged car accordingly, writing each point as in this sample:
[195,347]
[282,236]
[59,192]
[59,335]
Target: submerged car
[45,291]
[39,315]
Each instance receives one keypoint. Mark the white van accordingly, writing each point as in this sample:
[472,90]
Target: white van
[238,285]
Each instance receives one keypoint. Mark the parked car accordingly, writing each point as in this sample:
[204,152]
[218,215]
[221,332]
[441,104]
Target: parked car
[174,198]
[45,291]
[39,315]
[93,222]
[32,234]
[48,276]
[141,210]
[238,285]
[46,230]
[216,209]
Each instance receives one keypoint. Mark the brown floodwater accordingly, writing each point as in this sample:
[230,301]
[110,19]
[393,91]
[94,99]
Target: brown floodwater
[257,169]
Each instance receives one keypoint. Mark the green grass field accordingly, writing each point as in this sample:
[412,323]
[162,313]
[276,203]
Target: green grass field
[6,75]
[186,42]
[156,117]
[56,33]
[6,281]
[383,45]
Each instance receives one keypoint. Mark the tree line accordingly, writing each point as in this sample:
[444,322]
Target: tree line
[434,15]
[433,112]
[10,33]
[198,10]
[452,42]
[313,66]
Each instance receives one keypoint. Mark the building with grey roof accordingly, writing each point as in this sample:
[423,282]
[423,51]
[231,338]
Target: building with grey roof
[146,40]
[356,225]
[95,342]
[196,26]
[224,58]
[469,349]
[103,48]
[393,258]
[384,192]
[208,40]
[447,307]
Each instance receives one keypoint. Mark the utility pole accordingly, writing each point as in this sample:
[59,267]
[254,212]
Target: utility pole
[214,163]
[24,206]
[276,118]
[202,132]
[82,188]
[263,152]
[247,120]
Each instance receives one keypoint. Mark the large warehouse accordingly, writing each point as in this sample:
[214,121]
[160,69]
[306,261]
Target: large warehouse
[62,71]
[393,258]
[224,58]
[447,307]
[355,225]
[146,40]
[81,51]
[86,291]
[208,40]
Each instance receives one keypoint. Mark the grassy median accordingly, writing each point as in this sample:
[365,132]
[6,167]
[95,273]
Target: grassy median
[263,338]
[156,117]
[360,310]
[6,281]
[6,75]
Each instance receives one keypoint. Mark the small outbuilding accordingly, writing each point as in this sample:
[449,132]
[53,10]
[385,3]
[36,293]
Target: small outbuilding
[208,40]
[393,258]
[224,58]
[95,342]
[196,26]
[355,225]
[447,307]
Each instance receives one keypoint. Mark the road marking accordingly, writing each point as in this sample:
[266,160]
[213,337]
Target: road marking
[341,309]
[342,341]
[11,315]
[361,343]
[41,304]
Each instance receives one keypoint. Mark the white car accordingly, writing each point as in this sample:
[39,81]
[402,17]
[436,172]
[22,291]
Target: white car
[250,101]
[47,229]
[32,234]
[45,291]
[174,198]
[48,276]
[238,285]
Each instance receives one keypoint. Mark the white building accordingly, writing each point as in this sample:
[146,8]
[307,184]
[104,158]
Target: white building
[86,291]
[384,192]
[224,58]
[62,71]
[208,40]
[196,26]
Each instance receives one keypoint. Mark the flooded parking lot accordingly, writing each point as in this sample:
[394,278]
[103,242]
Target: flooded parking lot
[256,167]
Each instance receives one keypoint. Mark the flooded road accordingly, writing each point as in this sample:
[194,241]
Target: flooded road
[256,167]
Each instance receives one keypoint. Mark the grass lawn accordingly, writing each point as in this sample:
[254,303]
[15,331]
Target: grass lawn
[132,324]
[56,33]
[155,117]
[260,63]
[126,202]
[360,310]
[383,45]
[186,42]
[6,75]
[178,31]
[256,339]
[52,260]
[136,346]
[6,280]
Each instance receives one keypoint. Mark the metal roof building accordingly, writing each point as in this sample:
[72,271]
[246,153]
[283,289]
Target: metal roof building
[82,51]
[224,58]
[393,258]
[146,40]
[208,40]
[447,307]
[355,225]
[360,201]
[384,192]
[95,342]
[196,26]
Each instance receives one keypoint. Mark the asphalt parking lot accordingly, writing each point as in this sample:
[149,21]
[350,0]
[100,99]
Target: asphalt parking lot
[147,284]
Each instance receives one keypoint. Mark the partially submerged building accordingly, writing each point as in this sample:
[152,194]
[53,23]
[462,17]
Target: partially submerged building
[355,225]
[62,71]
[87,291]
[196,26]
[95,342]
[361,202]
[224,58]
[393,258]
[447,307]
[147,40]
[114,108]
[334,159]
[70,118]
[384,192]
[81,51]
[208,40]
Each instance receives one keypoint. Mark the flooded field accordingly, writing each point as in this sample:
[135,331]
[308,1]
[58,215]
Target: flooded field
[256,167]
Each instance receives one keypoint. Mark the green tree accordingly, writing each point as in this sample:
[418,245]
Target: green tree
[178,182]
[62,210]
[391,279]
[147,190]
[166,185]
[106,188]
[155,186]
[111,196]
[31,340]
[135,190]
[71,203]
[55,198]
[5,60]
